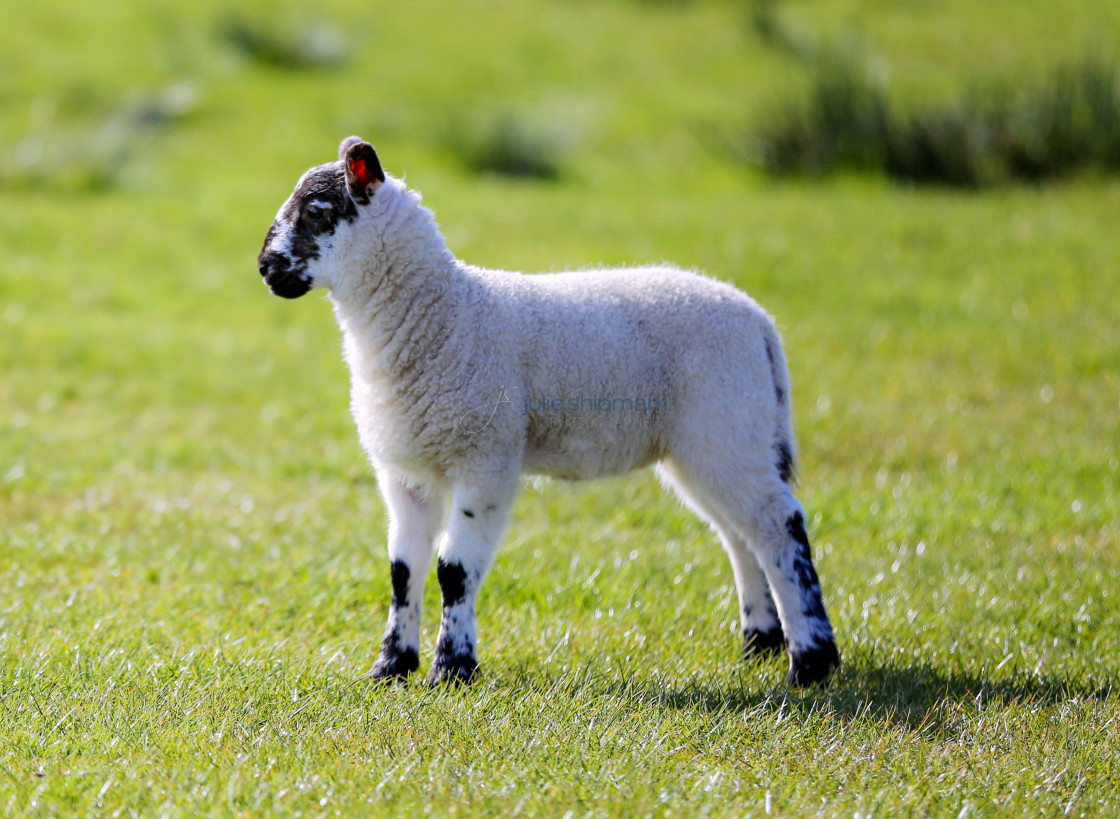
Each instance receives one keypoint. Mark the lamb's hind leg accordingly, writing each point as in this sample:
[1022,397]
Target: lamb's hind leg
[782,547]
[756,503]
[479,512]
[758,616]
[415,518]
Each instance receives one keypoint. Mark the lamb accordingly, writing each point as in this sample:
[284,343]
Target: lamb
[464,378]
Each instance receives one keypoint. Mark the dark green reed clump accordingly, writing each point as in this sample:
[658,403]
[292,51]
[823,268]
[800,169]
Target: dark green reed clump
[101,151]
[1067,123]
[1070,122]
[315,46]
[511,144]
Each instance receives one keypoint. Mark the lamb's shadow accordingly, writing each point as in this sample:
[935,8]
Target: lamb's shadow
[910,696]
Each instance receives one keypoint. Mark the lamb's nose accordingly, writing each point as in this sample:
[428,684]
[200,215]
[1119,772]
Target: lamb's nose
[272,264]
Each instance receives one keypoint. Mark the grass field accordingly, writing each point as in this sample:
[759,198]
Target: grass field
[192,566]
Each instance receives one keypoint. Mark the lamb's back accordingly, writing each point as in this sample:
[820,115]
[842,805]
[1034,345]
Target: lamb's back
[622,325]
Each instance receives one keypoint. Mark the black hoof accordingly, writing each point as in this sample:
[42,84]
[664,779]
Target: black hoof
[757,644]
[452,670]
[813,666]
[395,666]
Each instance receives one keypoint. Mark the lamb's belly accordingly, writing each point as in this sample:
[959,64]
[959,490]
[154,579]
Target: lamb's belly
[578,457]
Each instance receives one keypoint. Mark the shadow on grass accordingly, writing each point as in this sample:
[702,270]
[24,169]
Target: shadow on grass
[914,697]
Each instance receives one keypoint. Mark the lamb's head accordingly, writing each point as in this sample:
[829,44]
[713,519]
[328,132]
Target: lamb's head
[317,222]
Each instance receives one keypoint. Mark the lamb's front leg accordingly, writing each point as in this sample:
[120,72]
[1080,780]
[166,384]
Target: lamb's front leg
[415,518]
[479,512]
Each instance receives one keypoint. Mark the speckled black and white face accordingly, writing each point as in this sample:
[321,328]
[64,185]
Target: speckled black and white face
[326,198]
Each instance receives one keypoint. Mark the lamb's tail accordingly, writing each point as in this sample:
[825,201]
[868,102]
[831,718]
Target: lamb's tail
[785,445]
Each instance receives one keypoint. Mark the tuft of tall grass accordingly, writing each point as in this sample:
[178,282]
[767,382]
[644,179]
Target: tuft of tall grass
[1068,123]
[511,144]
[95,156]
[316,46]
[766,24]
[845,124]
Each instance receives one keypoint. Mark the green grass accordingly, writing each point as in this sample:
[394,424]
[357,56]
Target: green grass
[192,567]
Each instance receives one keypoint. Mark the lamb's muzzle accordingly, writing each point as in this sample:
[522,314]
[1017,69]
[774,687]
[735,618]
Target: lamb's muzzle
[464,378]
[276,272]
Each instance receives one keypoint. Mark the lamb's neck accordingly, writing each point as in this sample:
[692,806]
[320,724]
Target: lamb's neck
[399,311]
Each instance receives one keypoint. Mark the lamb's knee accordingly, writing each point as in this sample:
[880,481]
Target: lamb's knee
[452,579]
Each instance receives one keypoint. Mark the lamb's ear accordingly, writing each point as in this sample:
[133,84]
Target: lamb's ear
[363,169]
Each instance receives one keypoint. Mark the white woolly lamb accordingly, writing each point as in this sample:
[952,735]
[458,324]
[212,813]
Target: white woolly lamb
[463,378]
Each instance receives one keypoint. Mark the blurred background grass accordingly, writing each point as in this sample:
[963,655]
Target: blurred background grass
[187,521]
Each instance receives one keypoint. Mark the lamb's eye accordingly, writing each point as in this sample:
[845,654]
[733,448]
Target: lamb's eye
[314,213]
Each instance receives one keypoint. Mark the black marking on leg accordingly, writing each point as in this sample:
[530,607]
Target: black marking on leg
[453,670]
[452,582]
[394,662]
[811,604]
[451,666]
[814,665]
[446,647]
[795,525]
[779,393]
[400,574]
[784,461]
[762,643]
[813,607]
[468,513]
